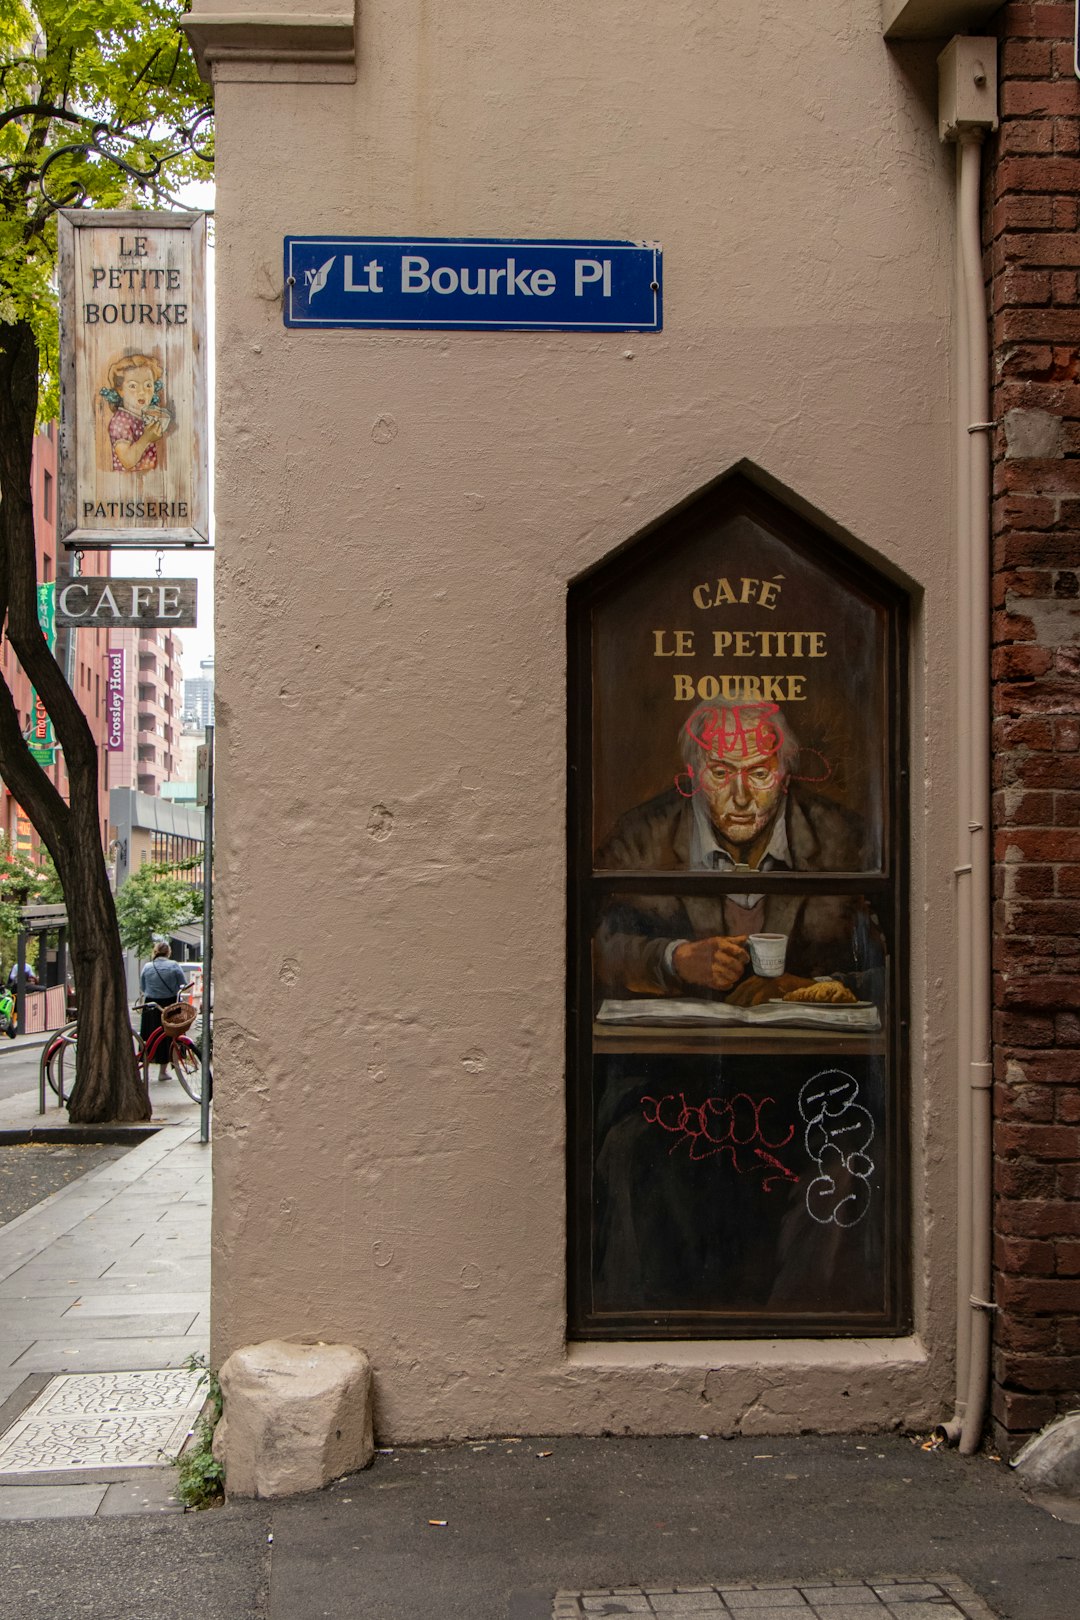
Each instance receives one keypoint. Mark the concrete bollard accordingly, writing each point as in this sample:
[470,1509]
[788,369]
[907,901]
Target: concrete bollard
[296,1416]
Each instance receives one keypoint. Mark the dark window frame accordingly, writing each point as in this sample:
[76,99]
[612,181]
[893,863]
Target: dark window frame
[729,497]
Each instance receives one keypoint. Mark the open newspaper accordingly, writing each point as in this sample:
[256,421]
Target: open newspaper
[859,1017]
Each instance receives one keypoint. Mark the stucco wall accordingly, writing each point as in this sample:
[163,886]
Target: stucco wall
[398,516]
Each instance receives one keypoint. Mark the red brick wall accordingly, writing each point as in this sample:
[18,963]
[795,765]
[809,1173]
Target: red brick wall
[1032,191]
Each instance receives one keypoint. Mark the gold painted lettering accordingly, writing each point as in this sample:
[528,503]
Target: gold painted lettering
[682,644]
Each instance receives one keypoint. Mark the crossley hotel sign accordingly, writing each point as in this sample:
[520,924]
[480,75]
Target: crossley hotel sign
[133,379]
[476,284]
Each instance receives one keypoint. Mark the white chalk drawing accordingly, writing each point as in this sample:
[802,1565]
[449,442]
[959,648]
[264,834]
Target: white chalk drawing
[839,1131]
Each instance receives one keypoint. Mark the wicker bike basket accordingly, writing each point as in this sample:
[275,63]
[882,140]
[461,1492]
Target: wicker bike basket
[178,1018]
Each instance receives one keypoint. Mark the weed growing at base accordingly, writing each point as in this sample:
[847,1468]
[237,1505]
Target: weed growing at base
[201,1478]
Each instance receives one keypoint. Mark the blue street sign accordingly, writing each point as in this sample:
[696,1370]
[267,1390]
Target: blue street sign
[479,284]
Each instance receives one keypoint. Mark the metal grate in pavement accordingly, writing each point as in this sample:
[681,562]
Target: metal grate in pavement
[102,1420]
[942,1597]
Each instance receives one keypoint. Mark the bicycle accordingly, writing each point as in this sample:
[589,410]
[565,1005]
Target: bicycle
[184,1057]
[53,1055]
[53,1065]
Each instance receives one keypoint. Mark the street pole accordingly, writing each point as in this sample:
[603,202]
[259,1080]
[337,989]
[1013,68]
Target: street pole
[208,937]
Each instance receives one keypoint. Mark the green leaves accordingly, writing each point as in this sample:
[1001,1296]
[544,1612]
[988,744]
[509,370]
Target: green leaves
[23,882]
[101,106]
[201,1478]
[151,903]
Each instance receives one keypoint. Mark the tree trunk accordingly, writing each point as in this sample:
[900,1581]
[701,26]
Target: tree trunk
[108,1084]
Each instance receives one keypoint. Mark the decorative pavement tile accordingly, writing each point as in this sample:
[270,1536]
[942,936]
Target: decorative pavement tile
[932,1609]
[688,1602]
[908,1591]
[772,1597]
[833,1596]
[884,1598]
[103,1420]
[857,1611]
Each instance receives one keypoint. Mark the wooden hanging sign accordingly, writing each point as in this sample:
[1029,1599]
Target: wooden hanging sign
[109,603]
[133,414]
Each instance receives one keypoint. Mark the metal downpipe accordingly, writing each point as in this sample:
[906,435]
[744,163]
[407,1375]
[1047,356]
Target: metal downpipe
[977,749]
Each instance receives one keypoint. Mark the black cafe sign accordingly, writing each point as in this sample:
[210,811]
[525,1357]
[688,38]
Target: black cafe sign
[108,603]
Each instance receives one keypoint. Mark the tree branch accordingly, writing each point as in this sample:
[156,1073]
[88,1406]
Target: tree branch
[38,109]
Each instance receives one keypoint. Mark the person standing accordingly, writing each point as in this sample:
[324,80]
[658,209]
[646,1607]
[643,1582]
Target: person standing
[161,981]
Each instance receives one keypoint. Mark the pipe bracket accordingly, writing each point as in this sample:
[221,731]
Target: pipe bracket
[981,1304]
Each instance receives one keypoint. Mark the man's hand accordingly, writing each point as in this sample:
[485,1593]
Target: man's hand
[755,990]
[717,963]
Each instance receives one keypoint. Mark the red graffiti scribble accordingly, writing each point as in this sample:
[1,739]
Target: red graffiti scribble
[746,731]
[716,737]
[801,776]
[713,1128]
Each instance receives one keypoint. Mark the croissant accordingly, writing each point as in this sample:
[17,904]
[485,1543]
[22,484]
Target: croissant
[828,990]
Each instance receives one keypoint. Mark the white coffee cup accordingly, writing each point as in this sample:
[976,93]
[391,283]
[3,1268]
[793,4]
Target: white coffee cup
[767,954]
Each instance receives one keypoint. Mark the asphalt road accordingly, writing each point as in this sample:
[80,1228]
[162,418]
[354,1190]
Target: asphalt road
[489,1531]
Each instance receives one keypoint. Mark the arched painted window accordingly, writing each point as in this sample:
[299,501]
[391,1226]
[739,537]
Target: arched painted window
[738,948]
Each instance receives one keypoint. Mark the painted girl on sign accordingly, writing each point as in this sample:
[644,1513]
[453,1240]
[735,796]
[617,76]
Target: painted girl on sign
[134,395]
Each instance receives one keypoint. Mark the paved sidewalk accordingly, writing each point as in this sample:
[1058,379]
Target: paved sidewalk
[170,1102]
[546,1528]
[109,1274]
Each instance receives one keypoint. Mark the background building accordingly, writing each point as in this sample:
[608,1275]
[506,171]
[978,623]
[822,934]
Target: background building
[199,696]
[148,828]
[153,676]
[81,653]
